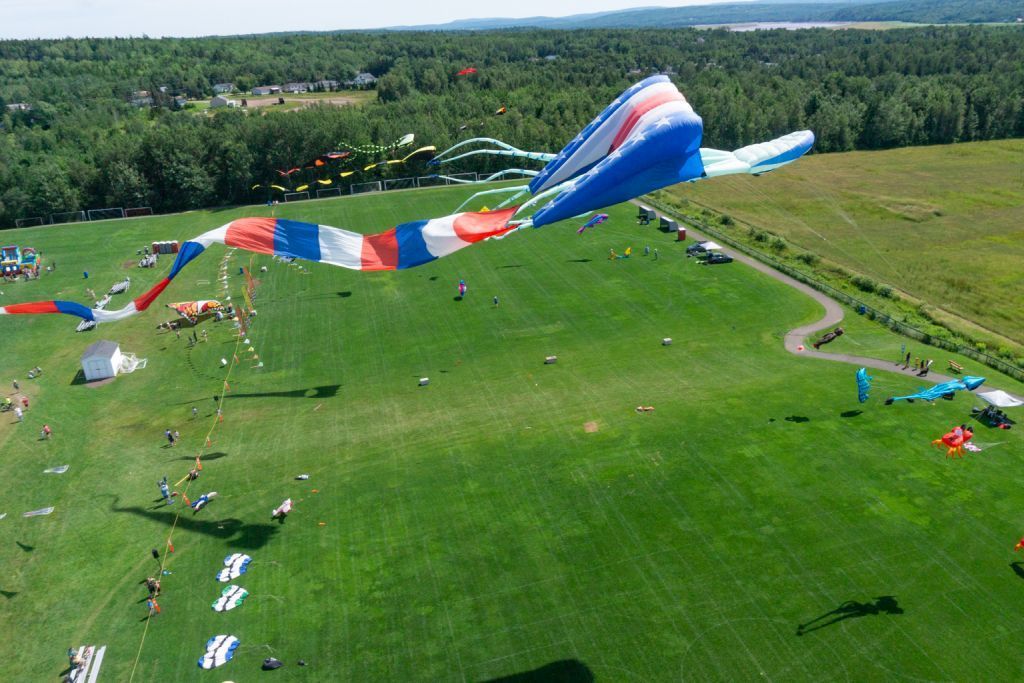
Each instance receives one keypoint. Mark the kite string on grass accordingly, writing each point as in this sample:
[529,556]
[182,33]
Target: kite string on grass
[217,419]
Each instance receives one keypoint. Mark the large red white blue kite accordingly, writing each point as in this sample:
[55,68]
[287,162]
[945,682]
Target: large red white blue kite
[647,139]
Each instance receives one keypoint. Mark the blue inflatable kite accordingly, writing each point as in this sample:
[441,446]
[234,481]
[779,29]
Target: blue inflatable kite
[863,384]
[945,390]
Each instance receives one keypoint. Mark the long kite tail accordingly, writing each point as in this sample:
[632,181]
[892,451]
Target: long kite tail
[405,246]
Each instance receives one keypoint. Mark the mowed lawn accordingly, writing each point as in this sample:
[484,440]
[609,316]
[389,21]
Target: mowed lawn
[511,516]
[943,223]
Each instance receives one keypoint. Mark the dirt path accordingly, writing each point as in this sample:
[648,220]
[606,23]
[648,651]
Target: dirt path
[833,316]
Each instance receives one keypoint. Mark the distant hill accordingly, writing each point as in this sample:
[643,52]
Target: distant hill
[916,11]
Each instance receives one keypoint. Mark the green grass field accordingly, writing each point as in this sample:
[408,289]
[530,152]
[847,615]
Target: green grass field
[512,515]
[944,224]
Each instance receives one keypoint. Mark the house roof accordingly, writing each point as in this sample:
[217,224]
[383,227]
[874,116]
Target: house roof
[103,349]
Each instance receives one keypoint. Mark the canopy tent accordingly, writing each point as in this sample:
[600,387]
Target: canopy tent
[1001,399]
[711,246]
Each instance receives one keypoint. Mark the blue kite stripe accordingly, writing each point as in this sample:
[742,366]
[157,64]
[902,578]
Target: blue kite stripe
[298,239]
[412,248]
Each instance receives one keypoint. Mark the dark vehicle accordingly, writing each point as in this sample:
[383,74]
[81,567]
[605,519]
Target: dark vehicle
[696,248]
[717,257]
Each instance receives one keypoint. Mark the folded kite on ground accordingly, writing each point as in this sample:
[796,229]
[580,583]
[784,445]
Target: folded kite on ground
[230,598]
[234,566]
[219,650]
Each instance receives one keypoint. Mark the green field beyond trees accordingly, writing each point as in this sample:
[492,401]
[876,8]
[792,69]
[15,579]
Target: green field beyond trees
[944,224]
[511,515]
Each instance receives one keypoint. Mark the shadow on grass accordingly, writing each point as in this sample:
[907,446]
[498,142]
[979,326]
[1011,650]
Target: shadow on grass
[798,418]
[8,594]
[562,671]
[217,455]
[26,548]
[237,533]
[851,609]
[1018,568]
[579,260]
[851,413]
[324,391]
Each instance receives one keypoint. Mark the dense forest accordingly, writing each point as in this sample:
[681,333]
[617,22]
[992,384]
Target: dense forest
[79,143]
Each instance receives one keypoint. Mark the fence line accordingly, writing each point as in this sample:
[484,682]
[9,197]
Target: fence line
[356,188]
[858,305]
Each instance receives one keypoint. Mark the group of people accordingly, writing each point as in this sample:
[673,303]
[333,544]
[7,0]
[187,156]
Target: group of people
[921,366]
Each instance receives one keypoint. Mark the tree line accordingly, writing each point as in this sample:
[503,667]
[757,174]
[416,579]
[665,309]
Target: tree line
[79,143]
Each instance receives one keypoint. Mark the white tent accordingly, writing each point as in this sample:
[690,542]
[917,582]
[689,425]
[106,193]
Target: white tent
[1001,399]
[711,246]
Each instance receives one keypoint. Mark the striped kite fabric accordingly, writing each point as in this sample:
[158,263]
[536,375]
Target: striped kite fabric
[405,246]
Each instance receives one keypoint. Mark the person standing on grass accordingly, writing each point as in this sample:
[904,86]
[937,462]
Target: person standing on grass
[18,413]
[47,431]
[165,490]
[906,363]
[176,436]
[16,386]
[195,412]
[152,606]
[655,253]
[170,437]
[495,300]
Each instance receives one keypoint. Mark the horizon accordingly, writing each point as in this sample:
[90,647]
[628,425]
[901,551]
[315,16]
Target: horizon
[26,20]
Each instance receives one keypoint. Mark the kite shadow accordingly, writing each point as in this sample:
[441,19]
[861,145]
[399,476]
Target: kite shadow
[579,260]
[26,548]
[235,532]
[1018,568]
[209,456]
[323,391]
[851,609]
[798,419]
[511,265]
[8,594]
[851,413]
[562,671]
[456,298]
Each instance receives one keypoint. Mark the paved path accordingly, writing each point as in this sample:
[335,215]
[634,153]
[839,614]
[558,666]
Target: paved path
[833,315]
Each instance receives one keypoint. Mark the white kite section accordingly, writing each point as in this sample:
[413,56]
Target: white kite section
[234,566]
[219,650]
[91,659]
[230,598]
[1001,399]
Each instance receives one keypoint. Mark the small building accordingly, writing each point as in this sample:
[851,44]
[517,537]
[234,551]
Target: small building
[221,101]
[141,98]
[180,101]
[327,84]
[19,106]
[101,360]
[362,80]
[220,88]
[295,87]
[266,90]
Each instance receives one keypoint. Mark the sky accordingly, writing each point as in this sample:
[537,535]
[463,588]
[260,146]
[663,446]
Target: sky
[157,18]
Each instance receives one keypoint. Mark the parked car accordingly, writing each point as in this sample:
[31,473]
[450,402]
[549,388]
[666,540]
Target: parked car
[696,248]
[717,257]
